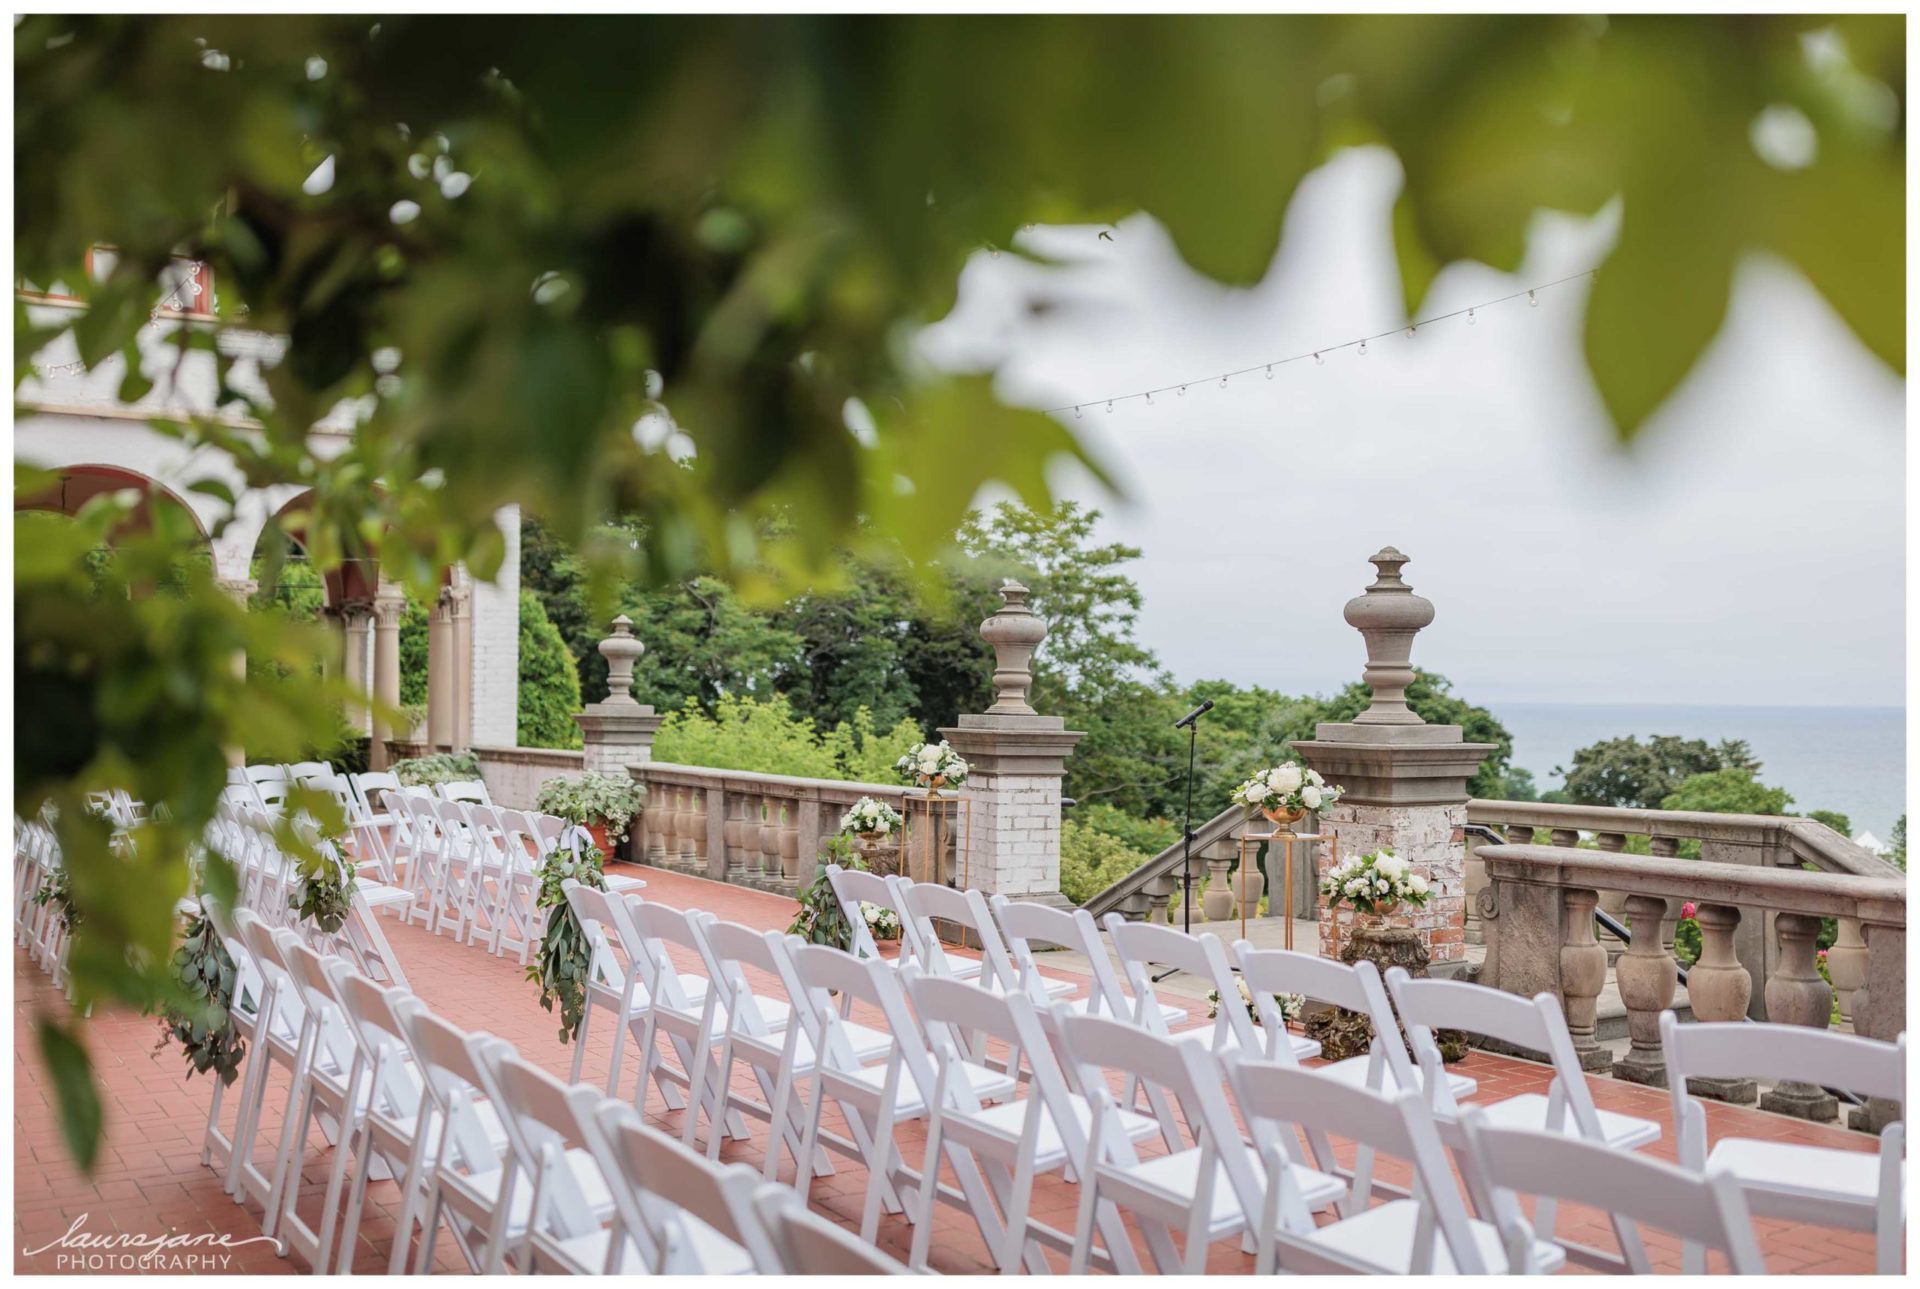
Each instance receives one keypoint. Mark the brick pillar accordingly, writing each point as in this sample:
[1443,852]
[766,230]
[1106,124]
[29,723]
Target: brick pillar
[1016,760]
[1405,781]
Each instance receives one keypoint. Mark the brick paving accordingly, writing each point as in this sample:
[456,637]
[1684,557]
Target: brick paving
[150,1180]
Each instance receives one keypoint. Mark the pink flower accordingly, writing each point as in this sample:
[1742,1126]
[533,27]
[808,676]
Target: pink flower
[1822,955]
[1689,909]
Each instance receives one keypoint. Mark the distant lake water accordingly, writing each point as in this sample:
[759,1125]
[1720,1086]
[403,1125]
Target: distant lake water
[1850,759]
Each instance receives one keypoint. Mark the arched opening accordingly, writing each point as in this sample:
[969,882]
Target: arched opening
[76,485]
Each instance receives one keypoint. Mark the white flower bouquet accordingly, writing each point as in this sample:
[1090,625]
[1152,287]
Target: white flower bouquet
[869,817]
[1375,884]
[933,765]
[1286,792]
[1290,1005]
[882,922]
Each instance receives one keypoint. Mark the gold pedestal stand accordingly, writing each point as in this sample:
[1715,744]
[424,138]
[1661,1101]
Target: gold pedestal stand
[1287,837]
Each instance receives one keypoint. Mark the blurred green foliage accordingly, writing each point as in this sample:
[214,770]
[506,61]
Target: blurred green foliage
[549,691]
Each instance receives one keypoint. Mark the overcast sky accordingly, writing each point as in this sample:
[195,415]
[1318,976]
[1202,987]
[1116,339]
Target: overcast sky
[1747,550]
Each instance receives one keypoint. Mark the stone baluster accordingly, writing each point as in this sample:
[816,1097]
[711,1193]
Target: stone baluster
[753,836]
[1667,848]
[1719,988]
[733,833]
[1647,976]
[1797,996]
[1160,898]
[1847,964]
[1218,902]
[1612,903]
[1583,973]
[660,819]
[770,836]
[1136,907]
[693,828]
[790,841]
[1519,835]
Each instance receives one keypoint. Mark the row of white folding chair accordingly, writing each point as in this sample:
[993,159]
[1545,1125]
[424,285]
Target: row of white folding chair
[38,927]
[522,1168]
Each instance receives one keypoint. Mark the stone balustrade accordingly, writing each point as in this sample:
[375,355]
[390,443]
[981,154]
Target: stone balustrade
[768,830]
[1537,909]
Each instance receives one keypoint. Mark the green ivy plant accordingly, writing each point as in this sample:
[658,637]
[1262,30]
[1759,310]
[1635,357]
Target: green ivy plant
[593,798]
[560,968]
[203,1025]
[436,769]
[58,891]
[821,920]
[325,894]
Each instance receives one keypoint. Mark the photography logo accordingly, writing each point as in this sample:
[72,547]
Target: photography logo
[78,1249]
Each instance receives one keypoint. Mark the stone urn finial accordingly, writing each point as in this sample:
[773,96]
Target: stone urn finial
[1014,632]
[1388,615]
[621,651]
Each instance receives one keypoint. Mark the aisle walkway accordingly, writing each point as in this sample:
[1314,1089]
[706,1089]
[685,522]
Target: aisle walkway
[150,1180]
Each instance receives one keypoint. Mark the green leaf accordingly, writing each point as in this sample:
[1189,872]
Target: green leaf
[76,1097]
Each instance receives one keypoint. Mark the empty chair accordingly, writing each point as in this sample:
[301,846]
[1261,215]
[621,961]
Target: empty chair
[556,832]
[682,1214]
[269,784]
[552,1138]
[1841,1188]
[1025,923]
[1209,1190]
[809,1245]
[1428,1233]
[469,790]
[519,919]
[302,771]
[853,887]
[611,982]
[1014,1141]
[1631,1189]
[690,1019]
[1142,946]
[278,1043]
[927,902]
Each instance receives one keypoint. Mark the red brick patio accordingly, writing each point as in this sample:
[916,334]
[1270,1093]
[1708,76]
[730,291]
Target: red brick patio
[150,1179]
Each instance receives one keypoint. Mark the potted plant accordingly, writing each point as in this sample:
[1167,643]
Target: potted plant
[933,766]
[603,804]
[1286,792]
[1375,885]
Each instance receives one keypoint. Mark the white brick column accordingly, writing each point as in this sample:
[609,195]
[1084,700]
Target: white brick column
[494,644]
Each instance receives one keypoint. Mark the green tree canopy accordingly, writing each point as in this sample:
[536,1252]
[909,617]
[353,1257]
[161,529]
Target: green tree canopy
[549,691]
[1627,772]
[1731,791]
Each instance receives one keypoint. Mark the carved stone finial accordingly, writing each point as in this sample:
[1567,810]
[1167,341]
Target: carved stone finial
[1014,632]
[621,651]
[1388,615]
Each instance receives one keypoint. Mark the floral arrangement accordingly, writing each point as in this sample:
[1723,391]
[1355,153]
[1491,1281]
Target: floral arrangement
[325,894]
[594,798]
[1290,1005]
[565,957]
[867,816]
[882,922]
[1286,789]
[203,1023]
[933,765]
[1376,883]
[821,919]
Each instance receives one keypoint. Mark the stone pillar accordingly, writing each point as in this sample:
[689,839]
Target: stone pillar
[617,731]
[241,589]
[1647,977]
[1797,996]
[1405,781]
[440,681]
[358,616]
[460,611]
[389,606]
[1880,1006]
[1719,988]
[1010,814]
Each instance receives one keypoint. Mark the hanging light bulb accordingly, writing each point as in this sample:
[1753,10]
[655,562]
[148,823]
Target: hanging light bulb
[1533,300]
[1183,391]
[1223,382]
[1363,349]
[1410,330]
[1076,414]
[1109,405]
[1269,371]
[1319,360]
[1149,398]
[1469,317]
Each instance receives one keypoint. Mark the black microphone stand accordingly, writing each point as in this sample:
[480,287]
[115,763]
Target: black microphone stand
[1186,859]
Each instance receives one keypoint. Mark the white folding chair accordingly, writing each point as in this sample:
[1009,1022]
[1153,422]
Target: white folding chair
[611,981]
[919,904]
[1630,1189]
[1014,1141]
[552,1155]
[1426,1234]
[518,918]
[249,1009]
[280,1044]
[809,1245]
[1209,1190]
[853,887]
[1143,946]
[874,1095]
[468,790]
[679,1213]
[301,771]
[1810,1184]
[690,1020]
[1025,923]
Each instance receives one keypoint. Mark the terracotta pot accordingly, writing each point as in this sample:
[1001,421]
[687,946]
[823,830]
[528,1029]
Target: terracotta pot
[1284,816]
[598,829]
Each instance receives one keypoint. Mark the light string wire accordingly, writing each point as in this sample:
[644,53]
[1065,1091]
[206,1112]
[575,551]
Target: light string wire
[1319,354]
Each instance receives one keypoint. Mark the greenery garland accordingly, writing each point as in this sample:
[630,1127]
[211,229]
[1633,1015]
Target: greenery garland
[204,1027]
[821,920]
[325,894]
[58,891]
[565,957]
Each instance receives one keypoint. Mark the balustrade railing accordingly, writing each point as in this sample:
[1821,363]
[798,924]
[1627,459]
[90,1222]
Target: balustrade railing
[1536,909]
[768,830]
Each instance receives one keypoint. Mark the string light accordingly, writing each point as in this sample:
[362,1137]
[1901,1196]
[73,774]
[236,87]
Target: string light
[1319,356]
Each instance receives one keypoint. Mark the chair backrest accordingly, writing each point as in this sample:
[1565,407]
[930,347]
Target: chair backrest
[301,771]
[1709,1210]
[729,949]
[1534,1024]
[657,926]
[309,973]
[520,839]
[467,790]
[1024,923]
[1144,945]
[923,902]
[1355,986]
[1274,1094]
[666,1184]
[952,1012]
[378,1015]
[853,887]
[603,920]
[821,968]
[449,1060]
[809,1245]
[545,1118]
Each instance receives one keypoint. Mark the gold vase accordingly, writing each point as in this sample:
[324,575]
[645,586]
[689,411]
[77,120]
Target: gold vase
[1284,816]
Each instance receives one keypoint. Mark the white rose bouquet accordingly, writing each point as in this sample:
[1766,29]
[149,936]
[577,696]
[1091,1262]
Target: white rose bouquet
[1376,883]
[882,922]
[867,816]
[1289,789]
[1290,1005]
[933,765]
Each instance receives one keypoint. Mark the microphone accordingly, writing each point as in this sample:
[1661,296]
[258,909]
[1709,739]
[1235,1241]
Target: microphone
[1194,715]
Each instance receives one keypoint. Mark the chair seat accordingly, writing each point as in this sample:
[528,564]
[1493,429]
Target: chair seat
[987,1085]
[1169,1012]
[1529,1111]
[380,896]
[1803,1173]
[1177,1178]
[1304,1048]
[620,883]
[1353,1072]
[586,1173]
[1009,1119]
[699,1244]
[1383,1237]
